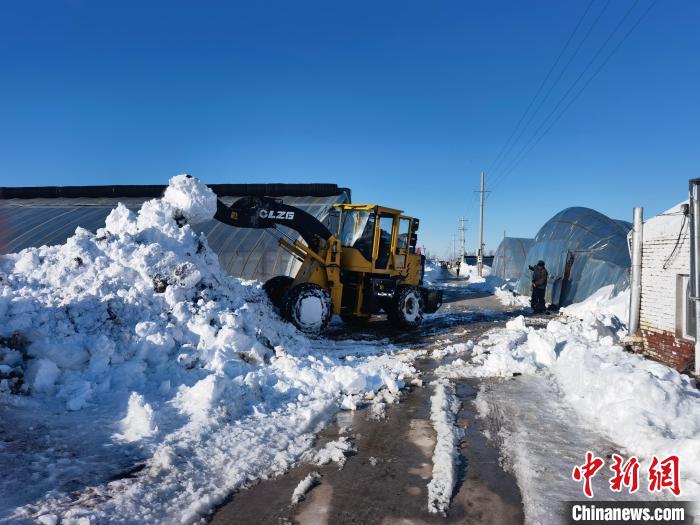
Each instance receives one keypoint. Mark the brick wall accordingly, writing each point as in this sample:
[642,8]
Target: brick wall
[667,348]
[658,309]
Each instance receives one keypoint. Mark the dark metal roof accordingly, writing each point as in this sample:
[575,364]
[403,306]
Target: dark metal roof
[154,190]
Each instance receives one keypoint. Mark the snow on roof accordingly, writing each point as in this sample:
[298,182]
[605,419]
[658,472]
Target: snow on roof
[666,224]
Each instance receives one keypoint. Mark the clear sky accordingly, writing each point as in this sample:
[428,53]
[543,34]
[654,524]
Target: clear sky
[405,102]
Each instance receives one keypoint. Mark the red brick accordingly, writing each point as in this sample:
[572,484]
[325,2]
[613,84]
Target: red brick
[667,348]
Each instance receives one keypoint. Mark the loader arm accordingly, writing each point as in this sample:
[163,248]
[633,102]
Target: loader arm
[266,212]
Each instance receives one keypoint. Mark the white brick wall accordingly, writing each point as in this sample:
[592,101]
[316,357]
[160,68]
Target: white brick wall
[658,311]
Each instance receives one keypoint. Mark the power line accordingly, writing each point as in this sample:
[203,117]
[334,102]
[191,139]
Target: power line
[523,153]
[494,164]
[578,78]
[561,74]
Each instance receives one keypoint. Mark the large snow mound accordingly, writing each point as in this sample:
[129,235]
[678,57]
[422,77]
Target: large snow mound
[129,355]
[112,310]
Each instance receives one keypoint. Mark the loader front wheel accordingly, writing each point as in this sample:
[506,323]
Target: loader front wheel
[276,287]
[406,310]
[308,307]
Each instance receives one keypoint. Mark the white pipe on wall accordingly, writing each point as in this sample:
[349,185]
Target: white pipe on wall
[694,260]
[636,276]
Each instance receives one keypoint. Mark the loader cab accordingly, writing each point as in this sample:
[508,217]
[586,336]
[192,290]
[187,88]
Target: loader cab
[375,239]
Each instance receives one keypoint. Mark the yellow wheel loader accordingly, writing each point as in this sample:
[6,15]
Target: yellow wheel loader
[363,263]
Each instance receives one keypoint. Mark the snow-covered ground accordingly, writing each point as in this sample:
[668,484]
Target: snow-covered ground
[140,383]
[581,391]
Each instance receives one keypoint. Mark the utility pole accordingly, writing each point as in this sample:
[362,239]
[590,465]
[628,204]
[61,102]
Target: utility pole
[480,252]
[462,239]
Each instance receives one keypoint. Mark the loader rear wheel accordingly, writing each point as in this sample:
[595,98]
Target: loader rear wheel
[308,307]
[276,287]
[406,310]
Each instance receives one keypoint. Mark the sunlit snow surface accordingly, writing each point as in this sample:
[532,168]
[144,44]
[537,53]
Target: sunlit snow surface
[444,407]
[155,383]
[579,390]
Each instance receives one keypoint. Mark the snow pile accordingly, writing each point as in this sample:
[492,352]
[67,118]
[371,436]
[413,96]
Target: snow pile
[643,406]
[602,302]
[304,486]
[132,347]
[443,413]
[103,310]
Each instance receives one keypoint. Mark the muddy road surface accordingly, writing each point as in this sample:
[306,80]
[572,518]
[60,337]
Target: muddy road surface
[384,481]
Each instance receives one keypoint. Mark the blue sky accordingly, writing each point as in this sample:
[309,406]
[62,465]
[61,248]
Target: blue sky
[404,102]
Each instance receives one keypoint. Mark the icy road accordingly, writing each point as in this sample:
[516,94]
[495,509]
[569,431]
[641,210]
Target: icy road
[385,477]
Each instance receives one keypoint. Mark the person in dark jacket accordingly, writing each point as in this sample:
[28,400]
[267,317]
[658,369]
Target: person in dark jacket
[539,286]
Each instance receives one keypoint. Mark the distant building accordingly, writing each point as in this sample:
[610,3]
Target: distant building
[666,317]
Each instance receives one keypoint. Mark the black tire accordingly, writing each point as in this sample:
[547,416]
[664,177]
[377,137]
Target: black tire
[406,310]
[315,318]
[353,320]
[276,287]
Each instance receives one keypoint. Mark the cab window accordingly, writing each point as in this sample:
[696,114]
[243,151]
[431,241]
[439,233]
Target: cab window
[357,231]
[386,224]
[402,240]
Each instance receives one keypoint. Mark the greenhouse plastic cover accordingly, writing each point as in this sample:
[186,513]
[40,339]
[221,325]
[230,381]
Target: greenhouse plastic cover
[246,253]
[511,258]
[596,247]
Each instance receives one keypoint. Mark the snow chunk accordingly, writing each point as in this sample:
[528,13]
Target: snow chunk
[138,423]
[335,451]
[42,374]
[48,519]
[121,221]
[191,198]
[348,403]
[444,406]
[163,460]
[304,486]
